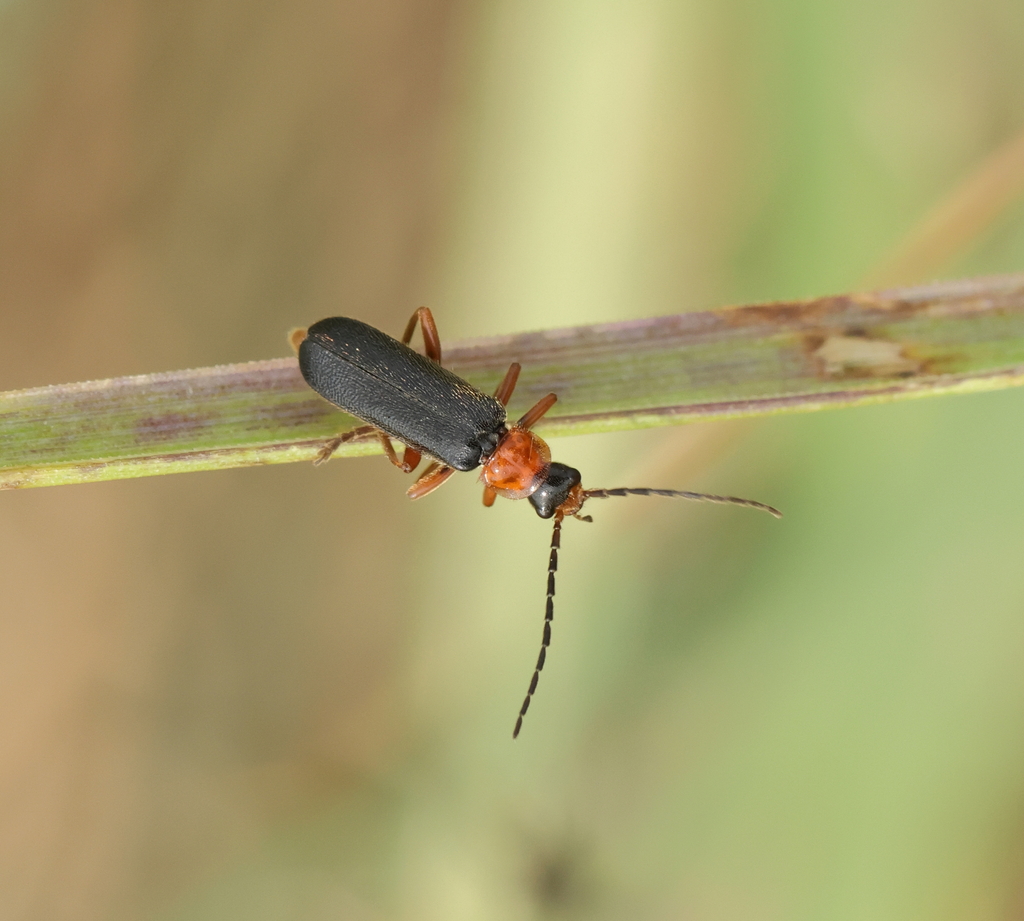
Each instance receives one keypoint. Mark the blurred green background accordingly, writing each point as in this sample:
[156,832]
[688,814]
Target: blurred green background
[289,693]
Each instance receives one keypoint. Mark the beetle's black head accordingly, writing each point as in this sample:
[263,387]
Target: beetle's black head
[555,489]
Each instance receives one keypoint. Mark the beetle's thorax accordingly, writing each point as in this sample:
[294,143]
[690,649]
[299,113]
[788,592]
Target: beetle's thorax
[518,465]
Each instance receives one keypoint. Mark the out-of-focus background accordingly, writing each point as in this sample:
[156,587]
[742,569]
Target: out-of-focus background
[289,693]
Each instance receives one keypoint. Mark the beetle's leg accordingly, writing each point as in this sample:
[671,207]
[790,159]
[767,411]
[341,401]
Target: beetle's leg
[489,496]
[331,446]
[534,415]
[410,459]
[433,476]
[504,392]
[431,340]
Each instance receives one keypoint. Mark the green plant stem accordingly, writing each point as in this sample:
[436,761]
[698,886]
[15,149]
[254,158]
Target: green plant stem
[836,351]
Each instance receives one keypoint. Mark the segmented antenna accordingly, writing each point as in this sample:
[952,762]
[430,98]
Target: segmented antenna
[680,494]
[549,614]
[556,543]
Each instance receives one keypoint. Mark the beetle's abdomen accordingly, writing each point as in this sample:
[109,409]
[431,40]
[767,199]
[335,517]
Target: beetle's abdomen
[385,383]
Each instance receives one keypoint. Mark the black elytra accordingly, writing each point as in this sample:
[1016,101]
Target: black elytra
[376,378]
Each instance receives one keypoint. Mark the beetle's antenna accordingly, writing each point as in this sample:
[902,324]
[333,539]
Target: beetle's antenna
[549,614]
[680,494]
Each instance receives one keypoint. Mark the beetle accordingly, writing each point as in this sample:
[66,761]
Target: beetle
[410,397]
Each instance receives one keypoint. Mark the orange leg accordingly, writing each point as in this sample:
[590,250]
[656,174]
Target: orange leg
[406,465]
[489,496]
[434,476]
[410,459]
[535,414]
[431,340]
[504,392]
[331,446]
